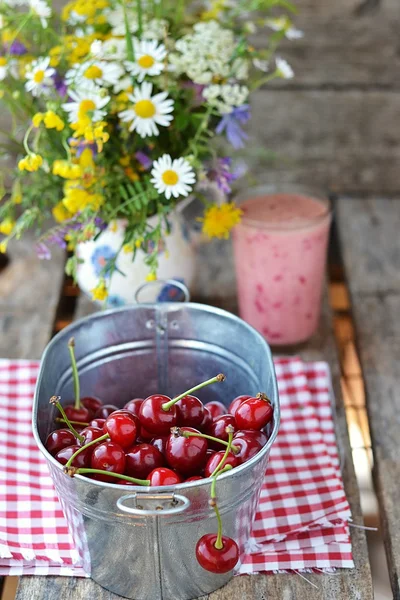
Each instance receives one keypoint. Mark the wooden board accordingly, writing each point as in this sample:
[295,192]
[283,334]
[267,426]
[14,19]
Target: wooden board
[371,251]
[218,285]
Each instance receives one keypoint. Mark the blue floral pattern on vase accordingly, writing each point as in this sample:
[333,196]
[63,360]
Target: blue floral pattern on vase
[113,301]
[100,257]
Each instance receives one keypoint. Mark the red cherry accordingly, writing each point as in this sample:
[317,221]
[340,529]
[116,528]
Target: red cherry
[254,413]
[214,560]
[108,457]
[91,403]
[121,428]
[99,423]
[259,436]
[163,476]
[81,414]
[215,459]
[59,439]
[248,447]
[236,402]
[194,478]
[152,416]
[142,459]
[216,408]
[83,459]
[146,435]
[218,429]
[90,434]
[207,420]
[160,443]
[189,411]
[186,455]
[104,411]
[134,405]
[210,452]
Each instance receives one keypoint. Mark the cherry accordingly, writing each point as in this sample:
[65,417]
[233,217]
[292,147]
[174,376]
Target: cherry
[214,559]
[91,403]
[210,452]
[97,423]
[236,402]
[142,459]
[207,420]
[189,411]
[218,429]
[81,414]
[134,405]
[186,454]
[194,478]
[108,457]
[254,413]
[104,411]
[146,435]
[154,418]
[248,447]
[90,434]
[160,443]
[259,436]
[59,439]
[163,476]
[216,408]
[215,459]
[83,459]
[121,428]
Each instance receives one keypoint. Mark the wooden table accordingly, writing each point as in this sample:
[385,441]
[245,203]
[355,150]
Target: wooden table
[29,295]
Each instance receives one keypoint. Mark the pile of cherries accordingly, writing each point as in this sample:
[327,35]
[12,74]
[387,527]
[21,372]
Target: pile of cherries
[160,441]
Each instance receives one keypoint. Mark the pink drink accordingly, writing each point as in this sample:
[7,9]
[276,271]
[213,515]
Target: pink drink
[280,254]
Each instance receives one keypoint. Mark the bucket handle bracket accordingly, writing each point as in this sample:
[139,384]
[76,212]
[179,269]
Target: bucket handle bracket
[177,504]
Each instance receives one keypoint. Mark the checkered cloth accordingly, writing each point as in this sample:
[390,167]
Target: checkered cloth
[301,521]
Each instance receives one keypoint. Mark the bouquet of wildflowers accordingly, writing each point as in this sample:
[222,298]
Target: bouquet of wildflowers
[121,108]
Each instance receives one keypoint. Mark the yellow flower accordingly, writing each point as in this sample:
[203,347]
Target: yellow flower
[53,121]
[76,199]
[131,174]
[55,54]
[127,248]
[65,169]
[37,119]
[151,276]
[139,242]
[60,213]
[3,61]
[219,220]
[31,162]
[113,226]
[7,226]
[217,6]
[3,247]
[100,291]
[70,243]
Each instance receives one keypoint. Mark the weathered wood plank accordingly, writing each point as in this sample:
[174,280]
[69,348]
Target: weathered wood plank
[29,294]
[371,250]
[344,141]
[216,284]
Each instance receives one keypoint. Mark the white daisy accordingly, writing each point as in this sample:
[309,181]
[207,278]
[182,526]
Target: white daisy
[149,57]
[284,24]
[86,102]
[102,73]
[112,49]
[42,10]
[148,111]
[284,69]
[172,177]
[3,68]
[38,77]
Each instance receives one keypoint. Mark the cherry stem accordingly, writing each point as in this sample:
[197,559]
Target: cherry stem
[100,439]
[61,420]
[221,465]
[234,449]
[56,401]
[75,374]
[83,471]
[167,405]
[218,542]
[263,396]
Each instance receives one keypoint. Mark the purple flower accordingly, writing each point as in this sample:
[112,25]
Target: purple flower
[17,48]
[197,89]
[60,85]
[220,172]
[42,251]
[81,146]
[230,124]
[143,159]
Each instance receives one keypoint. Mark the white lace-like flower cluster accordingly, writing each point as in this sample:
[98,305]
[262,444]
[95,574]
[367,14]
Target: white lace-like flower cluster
[226,97]
[205,55]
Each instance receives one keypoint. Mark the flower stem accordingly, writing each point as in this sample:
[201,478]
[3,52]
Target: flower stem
[167,405]
[75,374]
[187,434]
[100,439]
[140,17]
[83,471]
[25,140]
[56,401]
[61,420]
[130,52]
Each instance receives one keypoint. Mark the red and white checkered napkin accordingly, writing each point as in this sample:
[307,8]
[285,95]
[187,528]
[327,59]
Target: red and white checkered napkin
[301,522]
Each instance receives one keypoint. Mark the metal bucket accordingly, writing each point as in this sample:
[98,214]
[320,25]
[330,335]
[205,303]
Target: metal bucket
[140,542]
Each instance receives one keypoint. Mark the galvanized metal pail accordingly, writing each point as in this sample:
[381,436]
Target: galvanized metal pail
[140,542]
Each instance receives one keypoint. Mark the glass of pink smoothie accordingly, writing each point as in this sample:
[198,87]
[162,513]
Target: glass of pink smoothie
[280,251]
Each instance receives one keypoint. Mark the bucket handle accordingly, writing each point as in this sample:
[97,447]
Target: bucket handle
[178,504]
[172,282]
